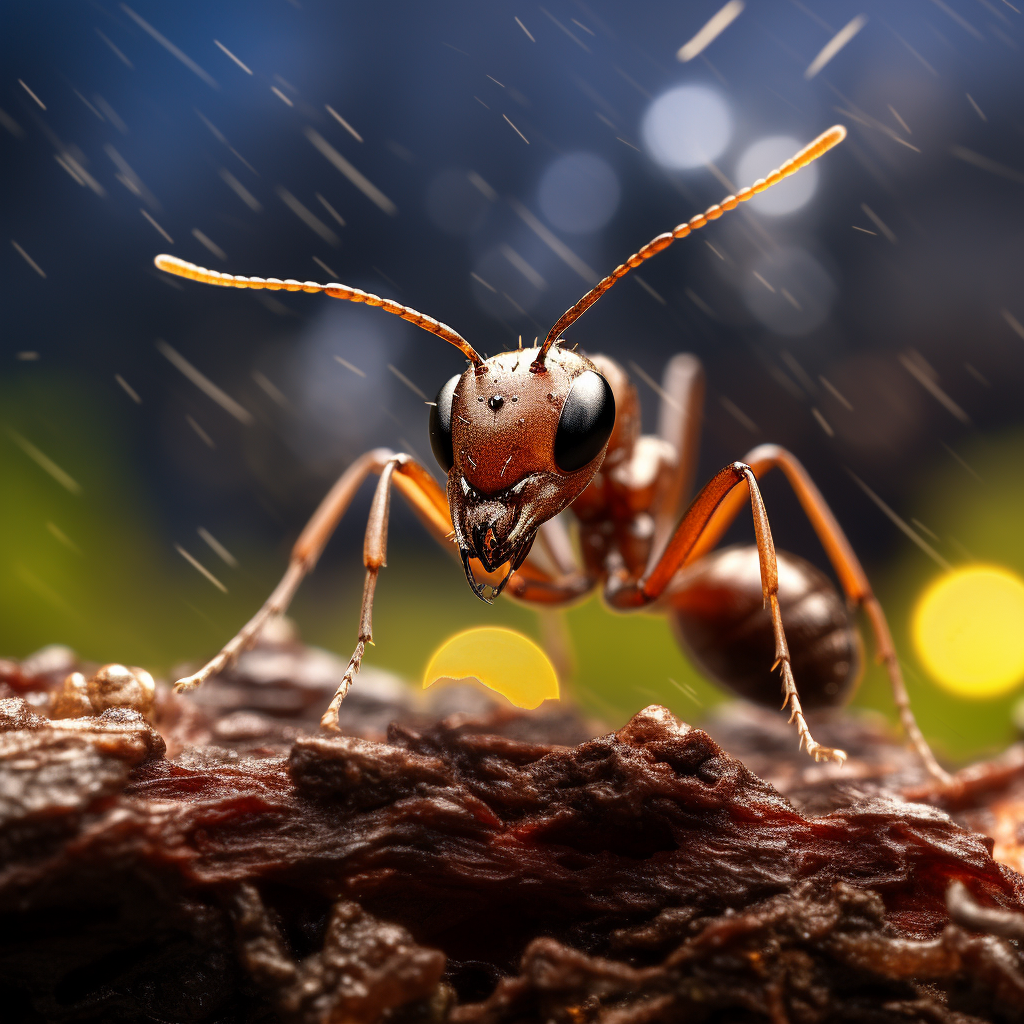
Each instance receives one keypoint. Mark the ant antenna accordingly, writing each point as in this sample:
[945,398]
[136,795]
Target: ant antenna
[172,265]
[822,144]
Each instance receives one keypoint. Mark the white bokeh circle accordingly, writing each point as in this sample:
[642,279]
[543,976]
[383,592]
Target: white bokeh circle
[579,193]
[789,292]
[686,127]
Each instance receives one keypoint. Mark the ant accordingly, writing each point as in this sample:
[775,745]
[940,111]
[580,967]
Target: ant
[527,433]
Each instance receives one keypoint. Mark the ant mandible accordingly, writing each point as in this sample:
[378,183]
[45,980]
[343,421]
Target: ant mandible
[527,433]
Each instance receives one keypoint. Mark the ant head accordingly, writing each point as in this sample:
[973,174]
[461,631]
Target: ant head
[518,446]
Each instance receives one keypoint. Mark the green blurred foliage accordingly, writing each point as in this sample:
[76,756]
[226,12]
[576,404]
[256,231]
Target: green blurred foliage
[92,570]
[83,562]
[974,510]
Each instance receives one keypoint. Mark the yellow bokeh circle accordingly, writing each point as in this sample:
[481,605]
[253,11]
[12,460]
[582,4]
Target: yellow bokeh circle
[502,659]
[968,629]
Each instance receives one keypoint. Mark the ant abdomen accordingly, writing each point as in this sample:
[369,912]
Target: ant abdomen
[718,617]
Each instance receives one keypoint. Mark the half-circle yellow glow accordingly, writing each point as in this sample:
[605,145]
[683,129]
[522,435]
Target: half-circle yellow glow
[968,629]
[502,659]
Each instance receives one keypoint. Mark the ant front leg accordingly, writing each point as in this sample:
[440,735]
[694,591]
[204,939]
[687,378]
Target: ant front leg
[418,487]
[852,577]
[303,559]
[682,548]
[375,555]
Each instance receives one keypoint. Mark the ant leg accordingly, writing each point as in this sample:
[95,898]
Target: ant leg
[556,636]
[624,593]
[375,554]
[555,541]
[556,639]
[534,586]
[304,556]
[851,575]
[679,421]
[430,505]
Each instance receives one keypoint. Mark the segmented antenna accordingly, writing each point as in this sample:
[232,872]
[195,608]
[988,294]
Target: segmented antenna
[822,144]
[172,265]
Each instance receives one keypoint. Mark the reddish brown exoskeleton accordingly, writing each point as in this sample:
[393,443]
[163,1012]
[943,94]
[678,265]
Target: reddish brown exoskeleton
[528,433]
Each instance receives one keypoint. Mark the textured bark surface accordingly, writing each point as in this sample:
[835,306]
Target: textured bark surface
[228,863]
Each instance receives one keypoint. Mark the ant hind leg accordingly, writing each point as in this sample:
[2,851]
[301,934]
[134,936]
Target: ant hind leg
[852,577]
[686,544]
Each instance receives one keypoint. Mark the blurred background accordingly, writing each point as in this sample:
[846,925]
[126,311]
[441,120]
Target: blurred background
[486,163]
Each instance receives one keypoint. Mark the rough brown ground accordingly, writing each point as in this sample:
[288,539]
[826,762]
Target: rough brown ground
[228,863]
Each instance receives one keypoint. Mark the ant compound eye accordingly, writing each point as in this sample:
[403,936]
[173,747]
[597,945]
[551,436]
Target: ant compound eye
[586,422]
[441,424]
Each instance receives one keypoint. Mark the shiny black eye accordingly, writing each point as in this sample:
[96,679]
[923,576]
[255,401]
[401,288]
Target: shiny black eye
[586,422]
[441,424]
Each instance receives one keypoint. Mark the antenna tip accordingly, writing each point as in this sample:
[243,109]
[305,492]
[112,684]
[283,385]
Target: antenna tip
[834,135]
[165,262]
[173,265]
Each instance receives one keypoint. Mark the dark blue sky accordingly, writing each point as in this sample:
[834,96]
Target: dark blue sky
[911,243]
